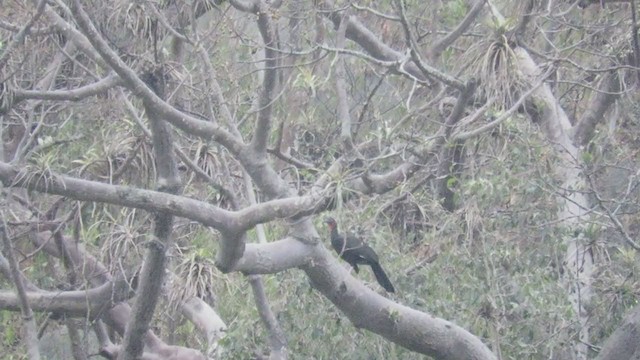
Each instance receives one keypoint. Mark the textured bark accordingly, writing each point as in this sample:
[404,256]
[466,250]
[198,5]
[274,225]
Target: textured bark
[623,344]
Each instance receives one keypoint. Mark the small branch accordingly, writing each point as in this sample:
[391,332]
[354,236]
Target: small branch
[364,37]
[30,328]
[447,40]
[412,45]
[277,339]
[300,164]
[610,214]
[77,94]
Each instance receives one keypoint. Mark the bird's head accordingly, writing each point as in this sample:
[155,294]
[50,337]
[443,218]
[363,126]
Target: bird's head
[331,222]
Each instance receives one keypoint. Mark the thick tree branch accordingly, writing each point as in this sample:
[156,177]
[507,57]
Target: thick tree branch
[90,303]
[364,37]
[584,130]
[207,321]
[344,118]
[155,261]
[415,330]
[274,257]
[267,94]
[78,189]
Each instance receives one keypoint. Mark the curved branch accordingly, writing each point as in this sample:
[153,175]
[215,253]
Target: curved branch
[367,309]
[76,94]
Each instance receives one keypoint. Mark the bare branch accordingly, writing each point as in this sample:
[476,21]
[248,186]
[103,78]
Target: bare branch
[601,102]
[447,40]
[76,94]
[343,106]
[415,330]
[91,303]
[22,300]
[20,36]
[137,86]
[427,71]
[274,257]
[154,266]
[121,195]
[267,96]
[277,339]
[364,37]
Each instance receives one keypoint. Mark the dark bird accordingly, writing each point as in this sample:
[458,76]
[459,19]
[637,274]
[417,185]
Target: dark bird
[355,252]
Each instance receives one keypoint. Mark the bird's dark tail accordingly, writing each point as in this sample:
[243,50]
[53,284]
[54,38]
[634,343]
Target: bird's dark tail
[382,277]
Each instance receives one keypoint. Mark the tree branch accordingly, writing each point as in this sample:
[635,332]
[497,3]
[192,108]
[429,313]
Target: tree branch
[277,339]
[446,41]
[183,121]
[265,103]
[76,94]
[601,101]
[427,70]
[22,300]
[154,266]
[90,303]
[415,330]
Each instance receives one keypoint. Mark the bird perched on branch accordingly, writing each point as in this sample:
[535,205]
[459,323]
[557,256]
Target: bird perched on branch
[355,252]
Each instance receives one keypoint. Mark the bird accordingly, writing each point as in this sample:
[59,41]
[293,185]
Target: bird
[355,252]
